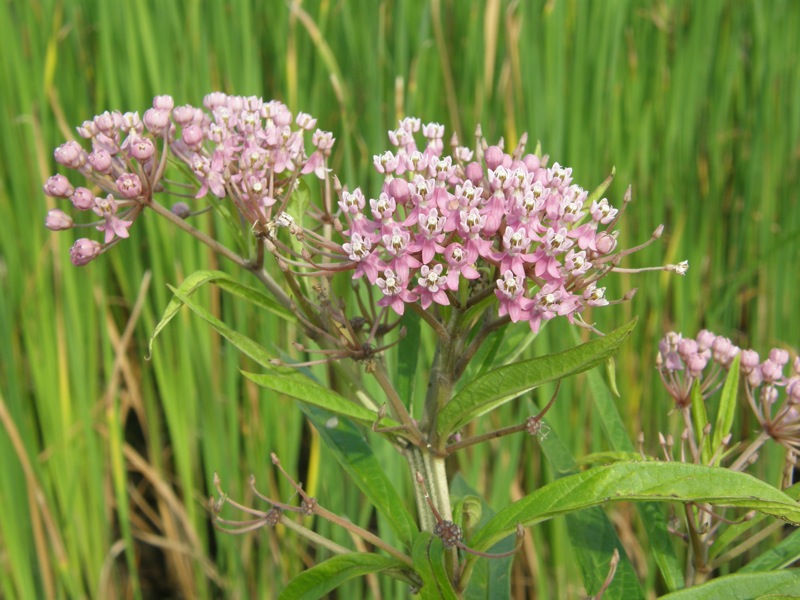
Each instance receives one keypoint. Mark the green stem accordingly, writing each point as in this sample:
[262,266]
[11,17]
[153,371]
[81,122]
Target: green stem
[432,469]
[399,411]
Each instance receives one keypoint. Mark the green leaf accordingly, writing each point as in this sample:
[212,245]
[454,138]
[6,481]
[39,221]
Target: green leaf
[744,530]
[611,373]
[293,383]
[727,407]
[235,226]
[604,458]
[598,192]
[783,554]
[743,587]
[490,578]
[317,581]
[225,282]
[651,481]
[408,354]
[652,517]
[503,384]
[243,343]
[700,418]
[356,457]
[593,537]
[428,556]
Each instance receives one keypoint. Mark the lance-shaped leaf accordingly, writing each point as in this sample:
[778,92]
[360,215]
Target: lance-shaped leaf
[357,458]
[770,584]
[317,581]
[727,406]
[245,344]
[225,282]
[293,383]
[503,384]
[649,481]
[428,555]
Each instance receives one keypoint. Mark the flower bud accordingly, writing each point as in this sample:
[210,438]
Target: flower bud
[84,251]
[704,340]
[605,243]
[793,390]
[129,185]
[532,162]
[58,220]
[474,172]
[305,121]
[323,141]
[105,123]
[779,356]
[769,394]
[494,157]
[142,149]
[82,198]
[183,115]
[70,154]
[181,209]
[398,189]
[749,361]
[164,103]
[87,130]
[100,160]
[192,136]
[696,363]
[156,120]
[771,371]
[754,378]
[57,186]
[687,347]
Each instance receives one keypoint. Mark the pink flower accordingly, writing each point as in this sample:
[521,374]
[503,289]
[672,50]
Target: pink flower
[396,245]
[315,164]
[430,235]
[394,291]
[595,296]
[516,244]
[510,291]
[359,250]
[603,212]
[209,174]
[432,286]
[548,303]
[457,264]
[113,225]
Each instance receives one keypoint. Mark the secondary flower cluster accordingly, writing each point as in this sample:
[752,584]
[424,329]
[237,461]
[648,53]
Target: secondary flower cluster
[683,361]
[241,147]
[482,216]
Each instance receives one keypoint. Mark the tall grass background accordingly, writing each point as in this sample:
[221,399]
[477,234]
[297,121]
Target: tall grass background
[108,458]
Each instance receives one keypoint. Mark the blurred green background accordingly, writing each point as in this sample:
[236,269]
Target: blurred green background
[107,459]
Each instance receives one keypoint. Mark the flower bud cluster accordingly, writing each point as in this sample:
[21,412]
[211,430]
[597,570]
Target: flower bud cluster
[682,361]
[241,147]
[506,223]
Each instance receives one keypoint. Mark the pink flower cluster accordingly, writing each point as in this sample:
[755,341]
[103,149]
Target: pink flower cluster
[241,147]
[479,217]
[683,361]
